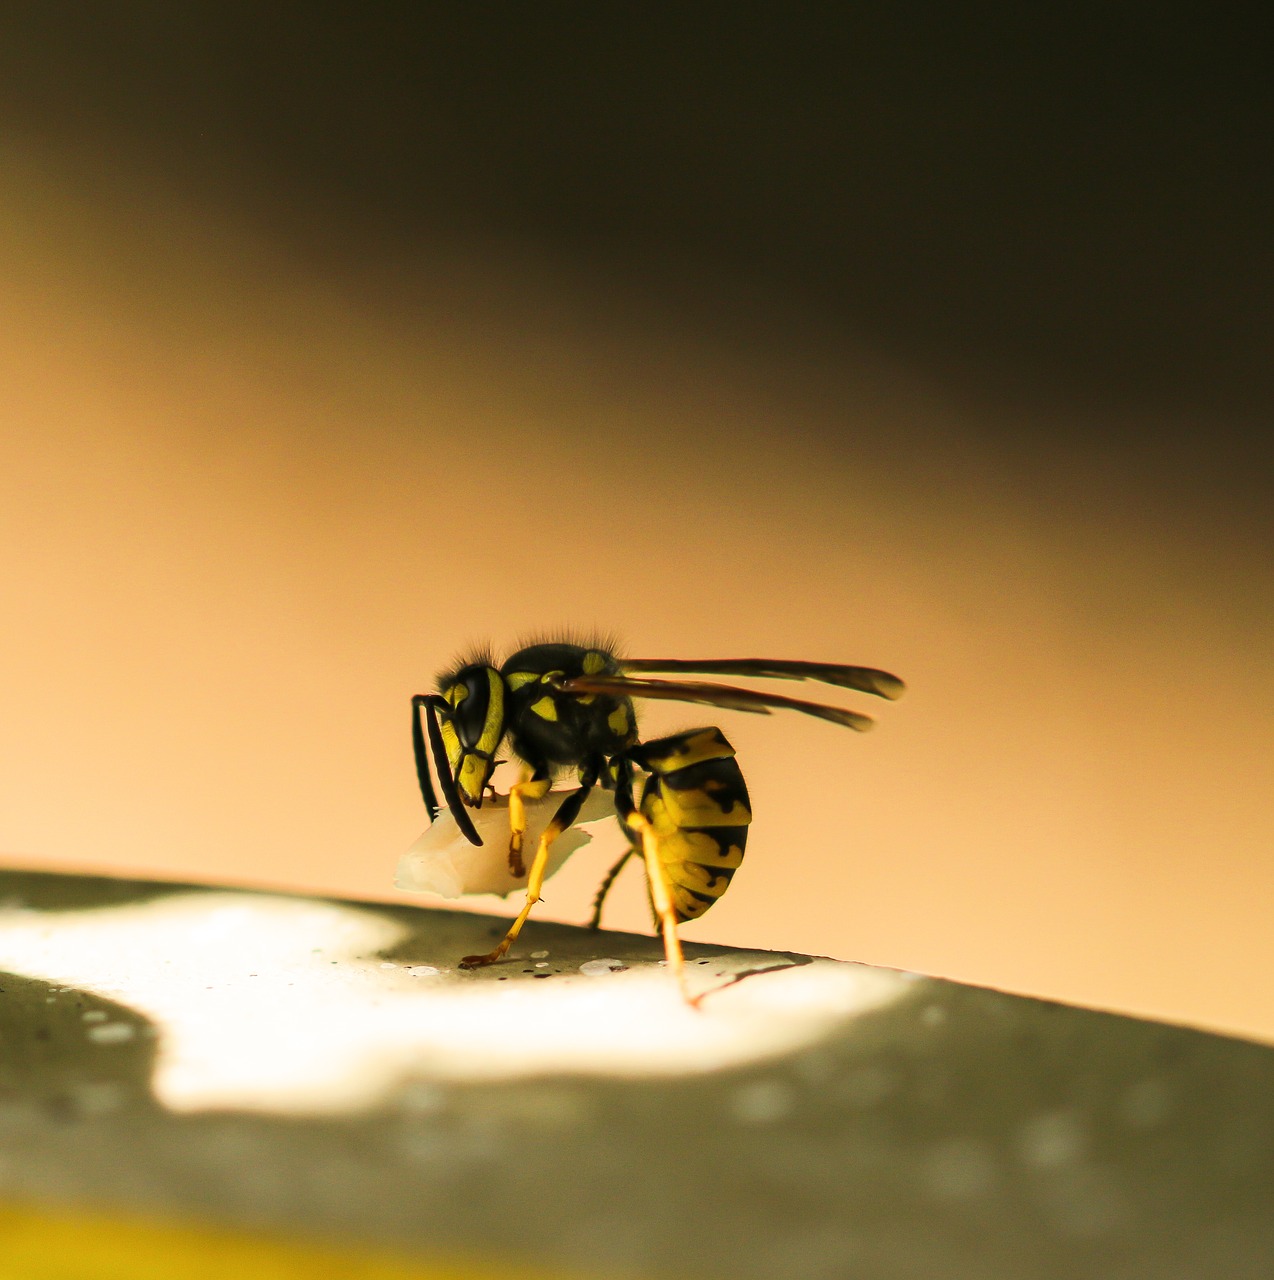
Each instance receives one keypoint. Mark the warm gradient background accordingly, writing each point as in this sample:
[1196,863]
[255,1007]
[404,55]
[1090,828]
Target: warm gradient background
[330,347]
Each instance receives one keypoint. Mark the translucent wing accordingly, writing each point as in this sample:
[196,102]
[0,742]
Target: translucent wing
[714,695]
[864,679]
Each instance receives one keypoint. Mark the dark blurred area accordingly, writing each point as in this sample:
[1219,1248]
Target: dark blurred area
[1073,199]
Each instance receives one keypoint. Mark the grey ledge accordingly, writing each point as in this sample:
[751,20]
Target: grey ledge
[323,1068]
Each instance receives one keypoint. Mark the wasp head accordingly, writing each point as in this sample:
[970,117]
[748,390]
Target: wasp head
[472,726]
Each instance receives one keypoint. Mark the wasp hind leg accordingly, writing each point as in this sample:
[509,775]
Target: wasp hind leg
[691,826]
[639,829]
[605,887]
[566,813]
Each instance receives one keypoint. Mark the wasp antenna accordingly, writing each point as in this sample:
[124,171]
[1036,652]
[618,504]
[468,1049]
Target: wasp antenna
[422,759]
[445,780]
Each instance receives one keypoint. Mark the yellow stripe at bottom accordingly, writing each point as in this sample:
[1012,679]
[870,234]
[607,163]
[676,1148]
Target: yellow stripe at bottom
[69,1245]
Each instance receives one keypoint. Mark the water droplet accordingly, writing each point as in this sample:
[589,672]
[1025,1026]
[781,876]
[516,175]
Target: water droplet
[98,1097]
[595,967]
[1053,1139]
[421,970]
[762,1102]
[539,955]
[112,1033]
[959,1169]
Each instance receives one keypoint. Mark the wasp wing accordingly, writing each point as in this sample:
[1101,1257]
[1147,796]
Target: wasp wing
[714,695]
[864,679]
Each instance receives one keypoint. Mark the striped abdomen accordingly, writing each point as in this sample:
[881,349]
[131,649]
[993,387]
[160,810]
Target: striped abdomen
[697,804]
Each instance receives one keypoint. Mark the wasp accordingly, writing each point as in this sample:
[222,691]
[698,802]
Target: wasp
[563,707]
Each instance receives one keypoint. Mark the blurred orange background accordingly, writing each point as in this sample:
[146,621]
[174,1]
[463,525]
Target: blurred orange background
[253,502]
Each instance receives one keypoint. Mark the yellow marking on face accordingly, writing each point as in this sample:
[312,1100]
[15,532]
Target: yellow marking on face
[493,727]
[586,699]
[472,775]
[457,694]
[516,679]
[619,722]
[593,663]
[450,740]
[546,709]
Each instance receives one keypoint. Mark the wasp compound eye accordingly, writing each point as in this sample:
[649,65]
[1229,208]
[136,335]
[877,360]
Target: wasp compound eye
[473,727]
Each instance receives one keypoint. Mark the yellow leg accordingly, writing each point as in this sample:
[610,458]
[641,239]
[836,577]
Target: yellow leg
[526,787]
[662,900]
[535,881]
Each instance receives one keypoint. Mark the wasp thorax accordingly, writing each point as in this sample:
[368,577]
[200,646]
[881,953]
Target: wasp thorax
[473,728]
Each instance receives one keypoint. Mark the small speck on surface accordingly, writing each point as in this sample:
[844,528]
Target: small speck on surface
[933,1015]
[596,968]
[541,964]
[388,964]
[1052,1139]
[111,1033]
[94,1015]
[97,1098]
[1145,1104]
[762,1102]
[421,970]
[959,1169]
[539,955]
[864,1087]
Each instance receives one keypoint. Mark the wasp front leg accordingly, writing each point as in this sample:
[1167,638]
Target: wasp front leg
[566,814]
[532,785]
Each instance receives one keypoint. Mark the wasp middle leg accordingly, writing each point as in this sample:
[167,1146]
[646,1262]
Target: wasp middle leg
[566,813]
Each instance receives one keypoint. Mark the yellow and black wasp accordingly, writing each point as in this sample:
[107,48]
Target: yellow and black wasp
[565,706]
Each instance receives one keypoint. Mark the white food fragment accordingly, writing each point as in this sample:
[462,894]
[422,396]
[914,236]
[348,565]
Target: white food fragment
[442,861]
[593,968]
[421,970]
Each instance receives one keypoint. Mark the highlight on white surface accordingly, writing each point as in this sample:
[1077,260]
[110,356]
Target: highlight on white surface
[286,1005]
[442,861]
